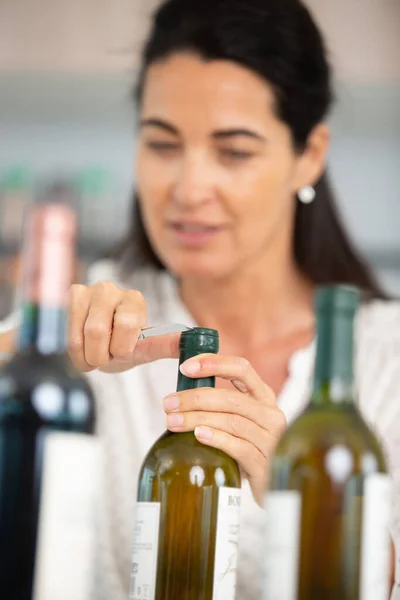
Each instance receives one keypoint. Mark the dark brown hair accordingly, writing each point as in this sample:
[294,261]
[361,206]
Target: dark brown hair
[278,40]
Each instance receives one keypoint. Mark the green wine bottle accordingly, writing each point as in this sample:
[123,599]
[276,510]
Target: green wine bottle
[328,505]
[187,518]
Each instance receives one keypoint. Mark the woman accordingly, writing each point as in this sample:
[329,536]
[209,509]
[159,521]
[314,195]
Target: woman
[234,225]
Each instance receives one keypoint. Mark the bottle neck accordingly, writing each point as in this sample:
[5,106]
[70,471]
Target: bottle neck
[334,369]
[48,265]
[43,328]
[186,383]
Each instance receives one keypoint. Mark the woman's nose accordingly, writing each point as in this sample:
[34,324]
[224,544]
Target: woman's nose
[193,185]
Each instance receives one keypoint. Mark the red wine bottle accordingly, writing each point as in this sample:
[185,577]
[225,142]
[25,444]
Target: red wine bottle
[48,450]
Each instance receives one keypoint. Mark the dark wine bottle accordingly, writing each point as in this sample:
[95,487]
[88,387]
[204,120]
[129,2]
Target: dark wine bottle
[328,505]
[48,453]
[188,512]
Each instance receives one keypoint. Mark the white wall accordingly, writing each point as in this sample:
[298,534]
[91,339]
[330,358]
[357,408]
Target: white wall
[362,37]
[80,114]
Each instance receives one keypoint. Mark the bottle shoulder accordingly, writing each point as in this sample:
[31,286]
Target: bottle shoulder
[30,369]
[320,430]
[183,450]
[47,391]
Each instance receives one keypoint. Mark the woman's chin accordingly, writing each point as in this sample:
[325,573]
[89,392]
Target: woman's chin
[197,268]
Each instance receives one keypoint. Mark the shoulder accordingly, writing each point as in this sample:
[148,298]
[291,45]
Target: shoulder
[103,270]
[378,341]
[378,370]
[379,320]
[378,365]
[10,322]
[146,280]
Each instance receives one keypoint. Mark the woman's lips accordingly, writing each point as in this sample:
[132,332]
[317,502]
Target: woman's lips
[193,234]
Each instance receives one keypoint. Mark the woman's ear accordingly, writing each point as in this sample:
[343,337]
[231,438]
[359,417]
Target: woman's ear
[312,162]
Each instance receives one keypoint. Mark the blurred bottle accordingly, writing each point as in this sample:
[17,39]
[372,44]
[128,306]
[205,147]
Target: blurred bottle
[328,508]
[15,197]
[63,190]
[10,269]
[57,190]
[16,188]
[97,211]
[48,453]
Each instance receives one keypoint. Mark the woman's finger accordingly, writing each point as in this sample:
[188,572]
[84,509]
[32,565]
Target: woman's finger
[98,327]
[148,350]
[237,426]
[157,347]
[237,370]
[104,327]
[250,460]
[78,310]
[232,402]
[129,318]
[8,342]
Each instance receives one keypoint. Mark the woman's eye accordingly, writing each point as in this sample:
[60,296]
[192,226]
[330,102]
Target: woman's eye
[162,147]
[236,154]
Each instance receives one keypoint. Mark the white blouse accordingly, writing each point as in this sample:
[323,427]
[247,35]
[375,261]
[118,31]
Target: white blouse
[131,418]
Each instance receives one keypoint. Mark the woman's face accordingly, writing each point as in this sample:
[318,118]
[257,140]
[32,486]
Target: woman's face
[217,174]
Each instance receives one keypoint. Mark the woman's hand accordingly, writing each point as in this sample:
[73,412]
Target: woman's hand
[104,326]
[244,422]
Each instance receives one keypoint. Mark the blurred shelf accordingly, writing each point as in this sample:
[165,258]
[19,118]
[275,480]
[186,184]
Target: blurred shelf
[384,258]
[43,98]
[367,109]
[106,101]
[89,251]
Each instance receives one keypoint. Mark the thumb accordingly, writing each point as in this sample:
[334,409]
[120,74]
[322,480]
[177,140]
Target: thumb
[146,351]
[157,347]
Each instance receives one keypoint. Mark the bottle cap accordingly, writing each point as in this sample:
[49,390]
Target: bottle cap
[337,298]
[49,254]
[200,341]
[55,220]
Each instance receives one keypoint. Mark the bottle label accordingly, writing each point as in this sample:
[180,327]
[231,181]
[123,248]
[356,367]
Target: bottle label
[375,541]
[227,543]
[144,552]
[65,554]
[282,543]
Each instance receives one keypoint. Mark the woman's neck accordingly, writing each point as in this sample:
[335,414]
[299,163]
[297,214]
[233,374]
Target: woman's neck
[262,304]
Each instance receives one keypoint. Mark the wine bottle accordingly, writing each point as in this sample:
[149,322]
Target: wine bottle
[48,453]
[188,511]
[328,505]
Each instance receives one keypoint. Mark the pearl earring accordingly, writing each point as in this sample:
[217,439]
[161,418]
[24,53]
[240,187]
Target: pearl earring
[307,194]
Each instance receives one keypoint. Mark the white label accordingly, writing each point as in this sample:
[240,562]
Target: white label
[282,539]
[375,542]
[65,553]
[144,553]
[227,543]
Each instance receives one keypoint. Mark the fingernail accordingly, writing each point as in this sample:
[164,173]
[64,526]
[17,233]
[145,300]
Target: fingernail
[190,368]
[171,403]
[203,433]
[174,420]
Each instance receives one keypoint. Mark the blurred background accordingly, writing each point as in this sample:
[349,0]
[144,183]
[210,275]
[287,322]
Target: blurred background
[67,120]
